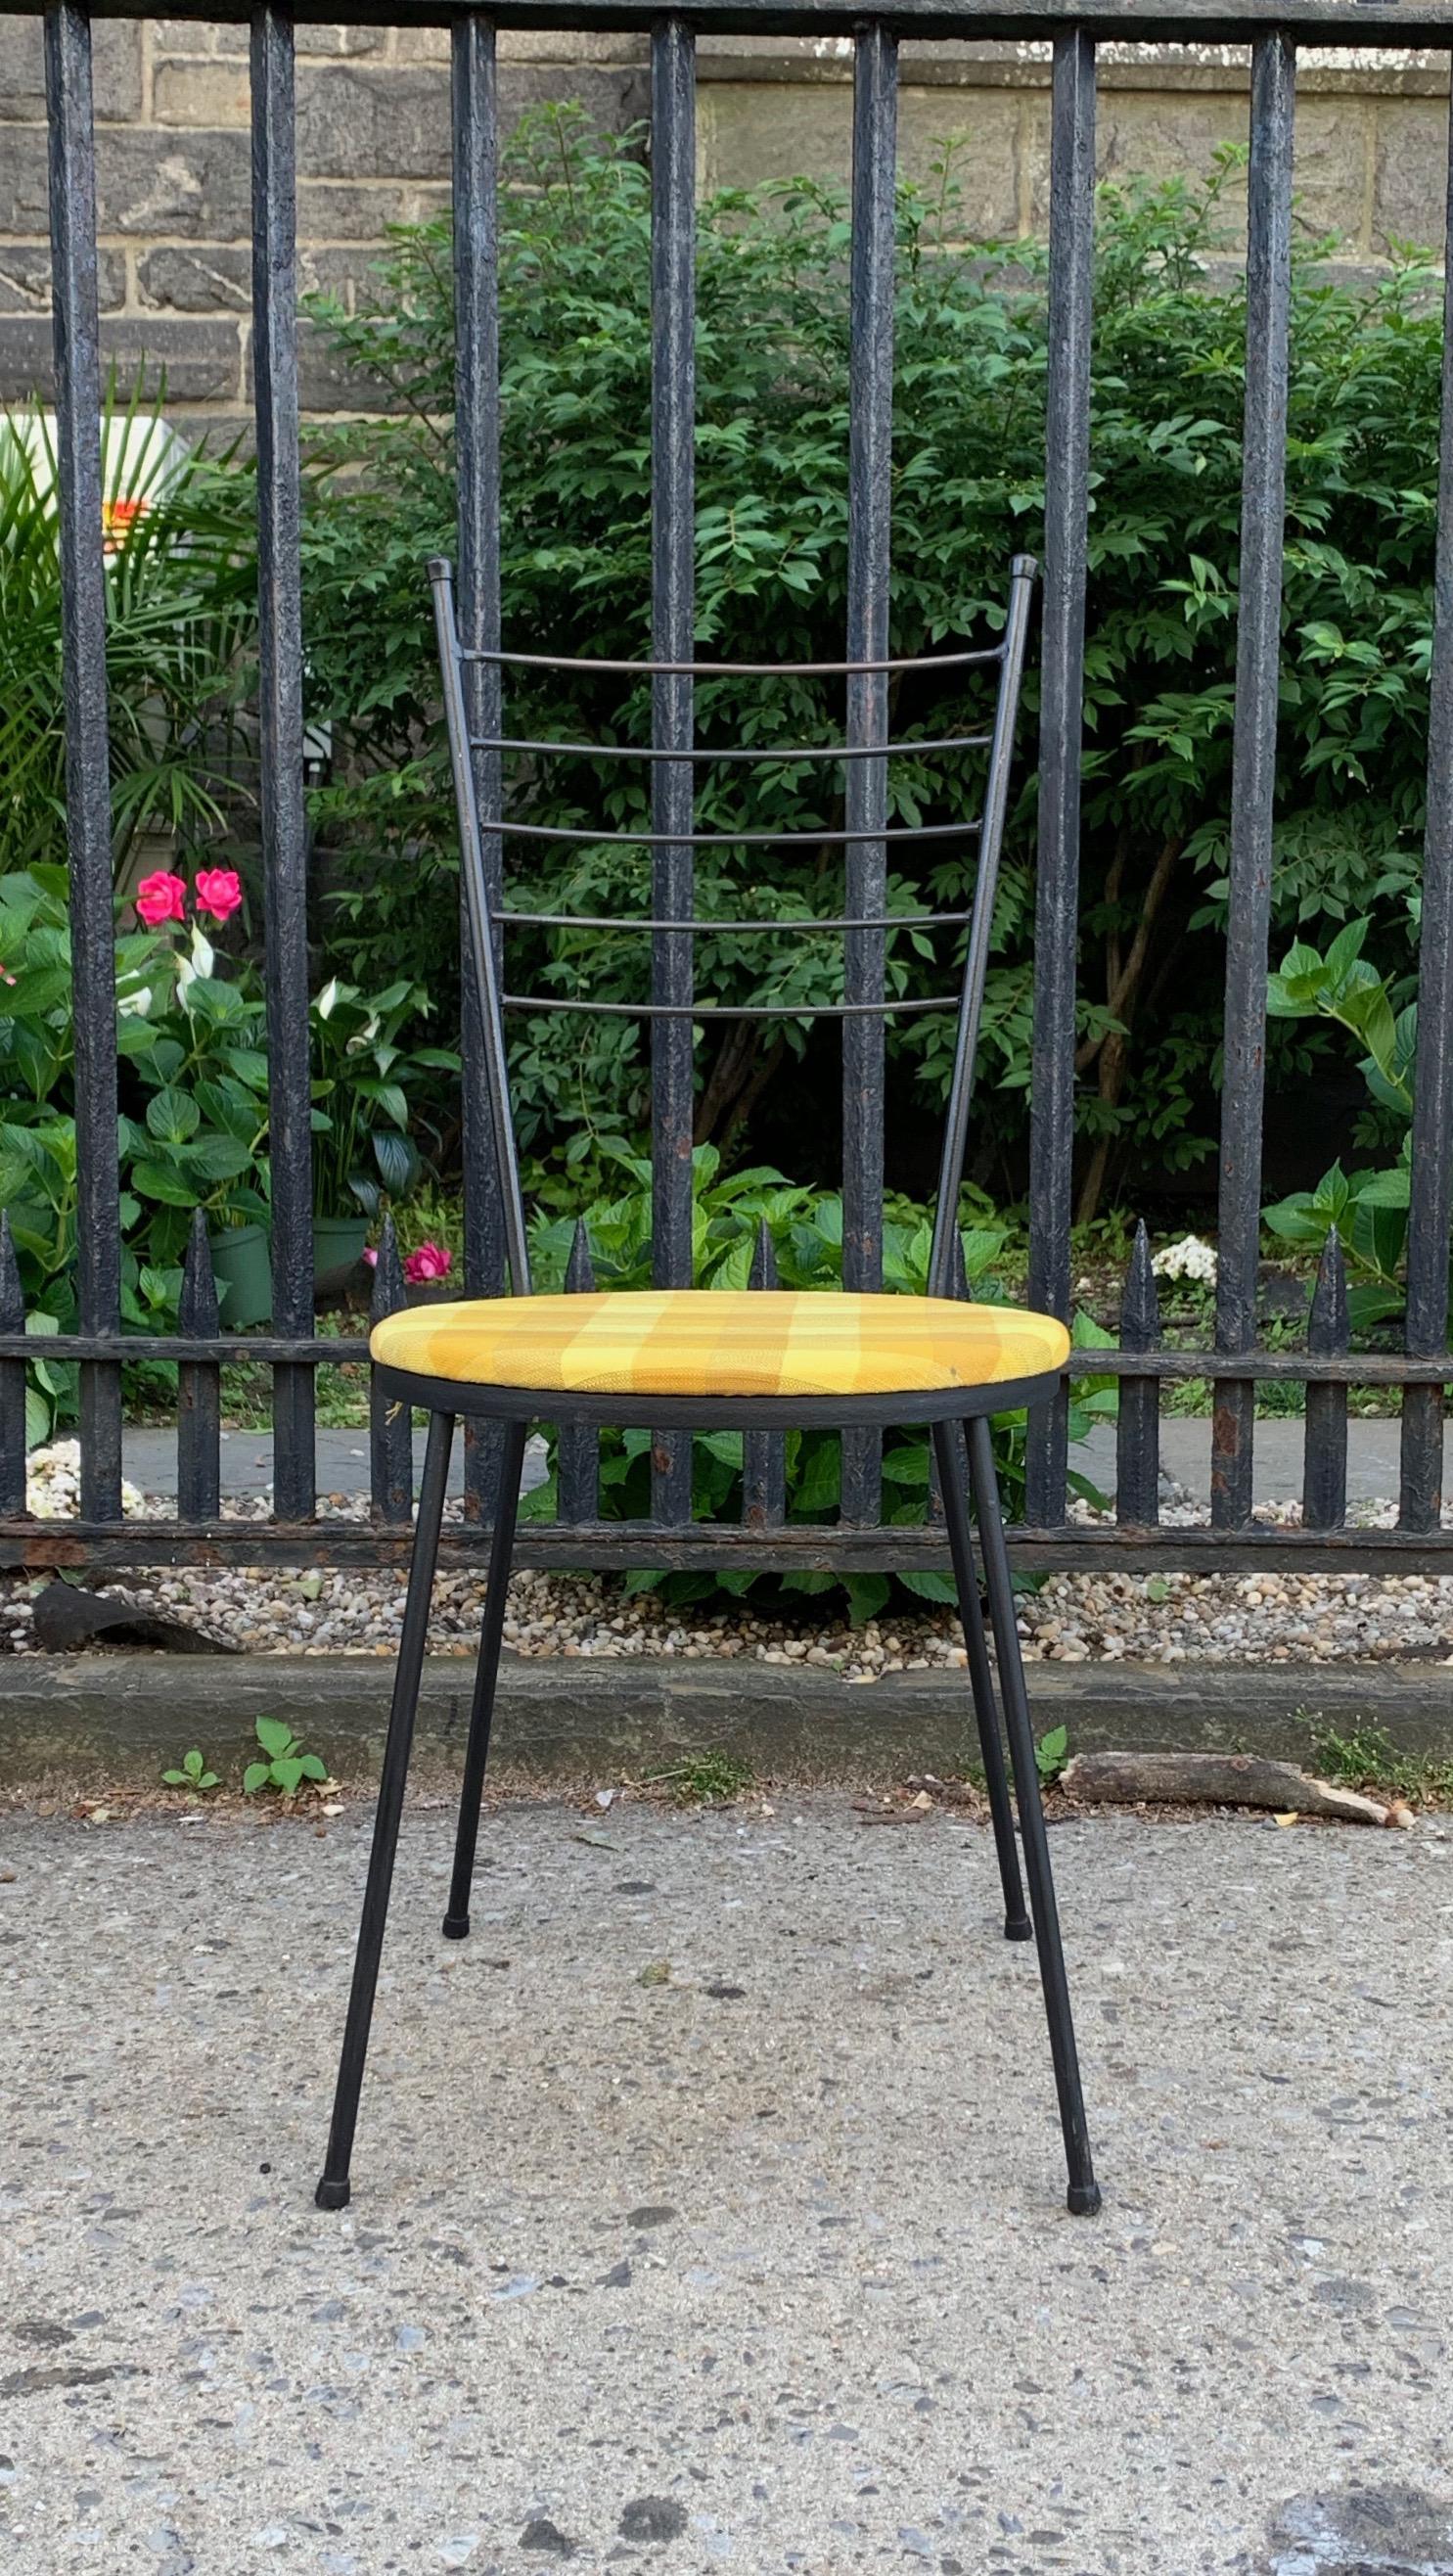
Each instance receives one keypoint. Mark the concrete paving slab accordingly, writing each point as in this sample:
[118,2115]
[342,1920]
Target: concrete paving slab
[150,1459]
[708,2206]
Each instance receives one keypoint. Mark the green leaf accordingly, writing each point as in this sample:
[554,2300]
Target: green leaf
[930,1587]
[255,1777]
[868,1594]
[172,1116]
[1050,1751]
[275,1736]
[164,1182]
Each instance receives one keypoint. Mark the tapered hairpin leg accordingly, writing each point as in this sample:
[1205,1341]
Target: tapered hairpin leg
[332,2191]
[512,1459]
[1084,2192]
[953,1481]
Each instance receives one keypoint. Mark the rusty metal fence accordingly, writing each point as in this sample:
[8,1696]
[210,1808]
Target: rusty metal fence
[857,1542]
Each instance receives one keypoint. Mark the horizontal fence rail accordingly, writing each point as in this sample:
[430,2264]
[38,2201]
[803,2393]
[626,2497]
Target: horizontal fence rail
[1138,1538]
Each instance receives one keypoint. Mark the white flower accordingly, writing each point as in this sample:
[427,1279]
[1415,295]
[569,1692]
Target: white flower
[327,998]
[53,1483]
[1188,1259]
[201,962]
[134,1006]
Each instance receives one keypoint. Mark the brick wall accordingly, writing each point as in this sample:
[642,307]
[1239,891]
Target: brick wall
[373,149]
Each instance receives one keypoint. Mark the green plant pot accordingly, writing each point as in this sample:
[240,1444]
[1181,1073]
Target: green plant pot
[338,1243]
[242,1268]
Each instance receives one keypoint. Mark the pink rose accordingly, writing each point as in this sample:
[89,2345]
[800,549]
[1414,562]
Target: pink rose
[218,891]
[160,898]
[370,1255]
[431,1261]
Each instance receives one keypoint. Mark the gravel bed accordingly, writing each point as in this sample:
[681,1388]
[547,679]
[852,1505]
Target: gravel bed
[1164,1618]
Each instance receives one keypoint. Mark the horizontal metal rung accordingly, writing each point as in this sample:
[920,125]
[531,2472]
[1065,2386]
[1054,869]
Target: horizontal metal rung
[735,670]
[730,1011]
[725,840]
[807,751]
[607,921]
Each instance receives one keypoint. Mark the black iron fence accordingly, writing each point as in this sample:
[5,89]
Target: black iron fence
[1237,1365]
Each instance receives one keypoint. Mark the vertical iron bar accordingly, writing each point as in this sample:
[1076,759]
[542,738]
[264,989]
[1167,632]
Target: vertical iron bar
[1253,773]
[764,1456]
[1324,1474]
[390,1427]
[199,1387]
[673,627]
[1432,1202]
[1137,1429]
[870,536]
[12,1383]
[1062,681]
[577,1448]
[280,710]
[477,455]
[75,332]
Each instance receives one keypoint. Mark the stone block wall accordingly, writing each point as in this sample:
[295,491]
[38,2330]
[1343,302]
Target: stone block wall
[373,150]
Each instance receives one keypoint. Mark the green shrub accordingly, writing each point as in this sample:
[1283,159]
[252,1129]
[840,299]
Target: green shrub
[1370,1208]
[771,573]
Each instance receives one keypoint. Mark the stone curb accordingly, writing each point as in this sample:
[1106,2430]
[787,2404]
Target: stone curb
[120,1719]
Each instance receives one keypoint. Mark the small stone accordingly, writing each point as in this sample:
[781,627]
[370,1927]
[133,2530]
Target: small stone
[653,2518]
[541,2533]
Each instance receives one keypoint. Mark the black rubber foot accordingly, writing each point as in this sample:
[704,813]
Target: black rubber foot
[1018,1928]
[331,2195]
[1083,2199]
[456,1927]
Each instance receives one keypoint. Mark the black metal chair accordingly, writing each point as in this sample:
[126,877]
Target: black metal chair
[700,1359]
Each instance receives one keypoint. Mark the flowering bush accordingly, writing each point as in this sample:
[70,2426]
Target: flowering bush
[193,1092]
[1188,1259]
[431,1261]
[162,897]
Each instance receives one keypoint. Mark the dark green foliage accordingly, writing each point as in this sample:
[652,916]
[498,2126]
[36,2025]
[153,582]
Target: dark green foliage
[772,447]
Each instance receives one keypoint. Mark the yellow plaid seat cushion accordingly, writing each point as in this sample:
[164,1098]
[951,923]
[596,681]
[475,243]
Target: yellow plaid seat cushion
[720,1342]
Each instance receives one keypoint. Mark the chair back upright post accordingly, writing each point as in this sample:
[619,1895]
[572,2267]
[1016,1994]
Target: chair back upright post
[481,942]
[942,1269]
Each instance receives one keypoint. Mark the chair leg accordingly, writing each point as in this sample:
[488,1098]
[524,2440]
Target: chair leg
[952,1475]
[1084,2192]
[332,2191]
[511,1463]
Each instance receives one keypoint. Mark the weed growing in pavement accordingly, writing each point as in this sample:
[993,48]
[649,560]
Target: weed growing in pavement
[704,1779]
[1051,1754]
[1368,1759]
[193,1775]
[287,1766]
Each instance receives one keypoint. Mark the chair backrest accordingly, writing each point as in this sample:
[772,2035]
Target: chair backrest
[674,768]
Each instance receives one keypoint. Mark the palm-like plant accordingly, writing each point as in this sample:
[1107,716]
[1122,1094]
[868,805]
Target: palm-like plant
[180,617]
